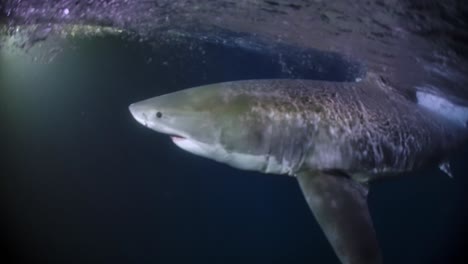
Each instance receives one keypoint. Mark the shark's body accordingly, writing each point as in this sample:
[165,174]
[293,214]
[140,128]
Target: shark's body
[335,137]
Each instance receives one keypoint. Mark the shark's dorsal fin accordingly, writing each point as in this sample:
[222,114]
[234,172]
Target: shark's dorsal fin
[340,207]
[445,167]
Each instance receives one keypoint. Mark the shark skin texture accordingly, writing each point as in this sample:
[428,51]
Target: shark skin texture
[334,137]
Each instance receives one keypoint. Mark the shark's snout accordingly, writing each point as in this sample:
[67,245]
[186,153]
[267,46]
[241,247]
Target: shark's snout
[138,113]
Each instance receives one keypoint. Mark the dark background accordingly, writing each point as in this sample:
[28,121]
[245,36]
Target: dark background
[82,182]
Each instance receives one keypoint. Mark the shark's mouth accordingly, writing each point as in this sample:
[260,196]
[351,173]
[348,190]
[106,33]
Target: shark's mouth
[176,137]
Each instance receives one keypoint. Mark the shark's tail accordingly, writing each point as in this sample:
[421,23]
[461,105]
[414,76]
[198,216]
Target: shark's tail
[444,107]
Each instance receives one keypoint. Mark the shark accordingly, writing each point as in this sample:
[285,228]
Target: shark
[334,137]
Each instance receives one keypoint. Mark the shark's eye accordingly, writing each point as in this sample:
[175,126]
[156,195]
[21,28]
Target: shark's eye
[158,114]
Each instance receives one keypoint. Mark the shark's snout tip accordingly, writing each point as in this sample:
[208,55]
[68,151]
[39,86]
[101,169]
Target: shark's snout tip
[137,114]
[131,108]
[135,111]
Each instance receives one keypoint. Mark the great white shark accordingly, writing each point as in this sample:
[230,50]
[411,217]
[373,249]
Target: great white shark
[334,137]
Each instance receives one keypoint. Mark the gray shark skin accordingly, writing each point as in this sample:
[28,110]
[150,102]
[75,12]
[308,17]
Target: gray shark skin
[334,137]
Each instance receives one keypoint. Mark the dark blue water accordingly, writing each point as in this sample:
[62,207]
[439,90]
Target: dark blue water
[82,182]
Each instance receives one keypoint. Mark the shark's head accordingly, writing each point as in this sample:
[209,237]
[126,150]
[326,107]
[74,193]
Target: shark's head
[186,116]
[213,121]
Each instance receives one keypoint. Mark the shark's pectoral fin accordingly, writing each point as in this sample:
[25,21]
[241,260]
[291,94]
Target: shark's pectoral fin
[339,205]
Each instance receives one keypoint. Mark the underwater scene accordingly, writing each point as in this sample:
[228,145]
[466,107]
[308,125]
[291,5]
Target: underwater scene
[317,131]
